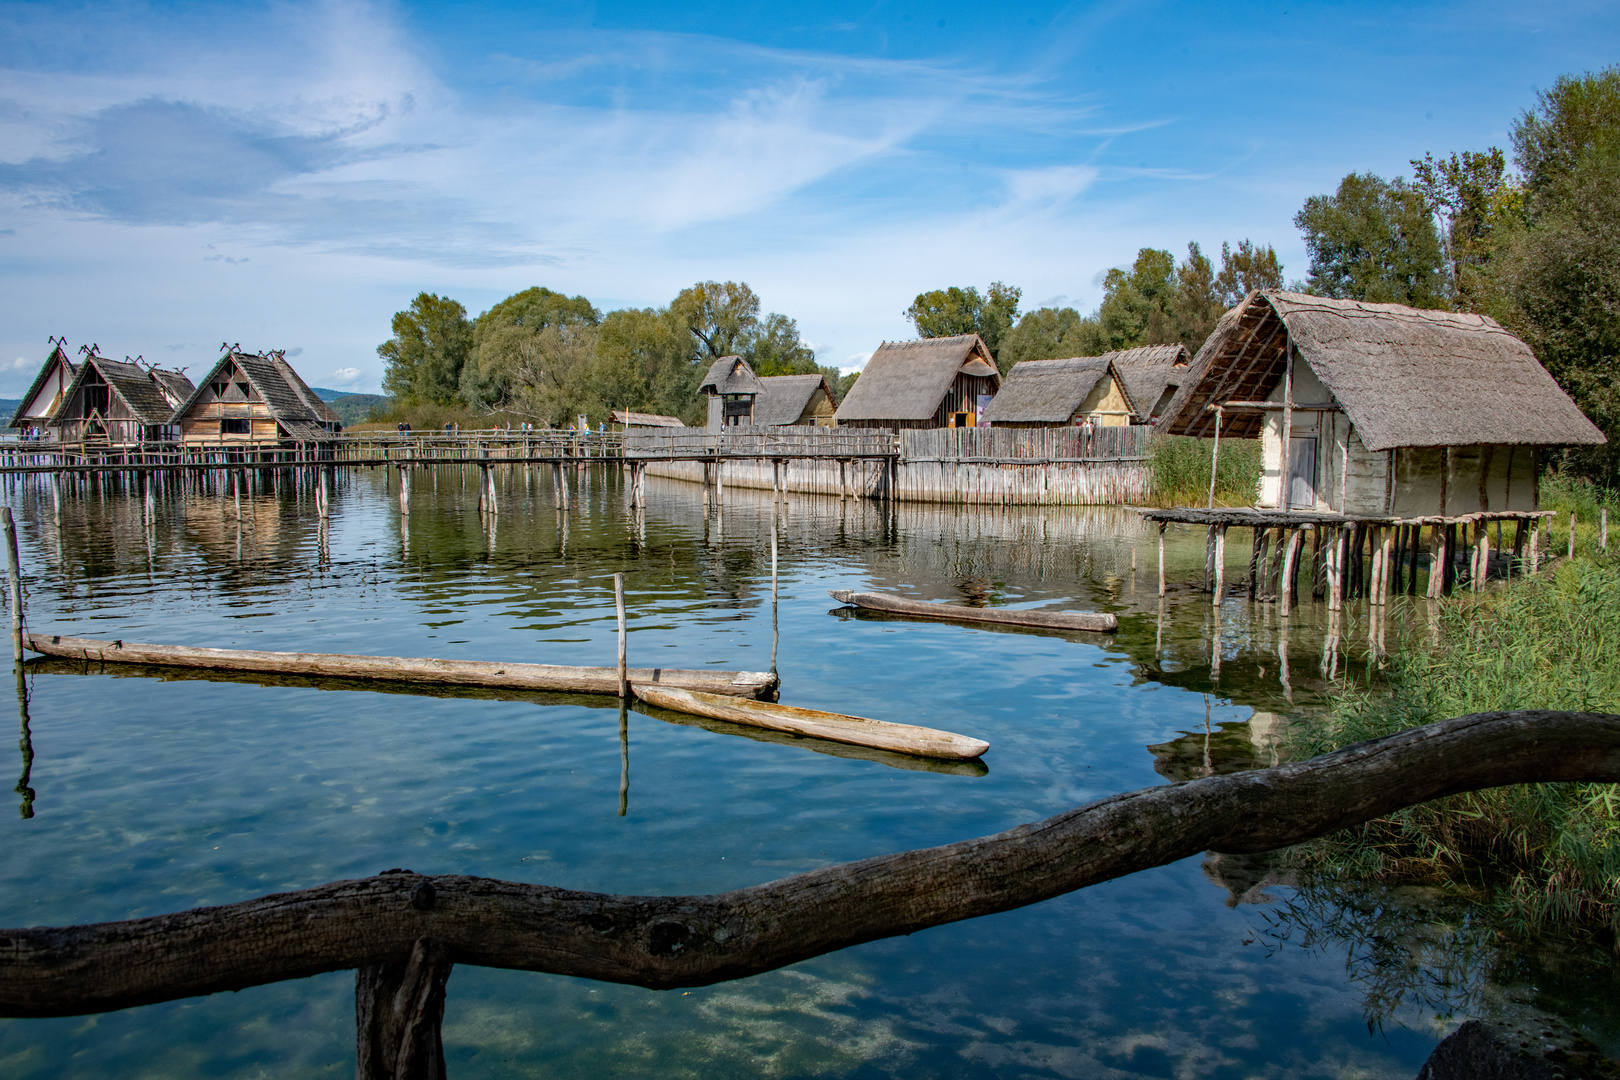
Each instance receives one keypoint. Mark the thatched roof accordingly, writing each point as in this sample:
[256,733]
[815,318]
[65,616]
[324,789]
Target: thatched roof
[906,380]
[131,382]
[174,385]
[730,375]
[58,356]
[1404,377]
[1148,371]
[643,419]
[297,409]
[785,397]
[1050,391]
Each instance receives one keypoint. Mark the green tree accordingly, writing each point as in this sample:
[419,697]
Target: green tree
[1051,333]
[1555,139]
[501,352]
[1138,305]
[645,361]
[422,362]
[722,317]
[1245,270]
[952,311]
[1374,240]
[1470,195]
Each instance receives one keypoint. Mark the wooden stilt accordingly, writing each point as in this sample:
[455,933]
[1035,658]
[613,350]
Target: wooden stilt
[1161,558]
[1290,554]
[13,582]
[399,1009]
[1220,567]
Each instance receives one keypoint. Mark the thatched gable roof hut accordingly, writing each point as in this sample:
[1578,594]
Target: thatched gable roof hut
[1152,375]
[929,383]
[1061,393]
[644,420]
[46,393]
[732,388]
[253,397]
[1378,408]
[795,399]
[119,401]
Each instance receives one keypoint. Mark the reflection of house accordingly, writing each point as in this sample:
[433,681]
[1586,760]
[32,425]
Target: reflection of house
[626,418]
[45,396]
[1379,409]
[731,387]
[251,398]
[1062,393]
[1152,375]
[931,383]
[118,403]
[795,399]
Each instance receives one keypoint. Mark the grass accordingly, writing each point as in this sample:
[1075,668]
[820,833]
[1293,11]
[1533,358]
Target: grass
[1540,856]
[1572,494]
[1180,467]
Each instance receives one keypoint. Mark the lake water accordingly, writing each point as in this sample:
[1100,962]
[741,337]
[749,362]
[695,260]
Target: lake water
[156,794]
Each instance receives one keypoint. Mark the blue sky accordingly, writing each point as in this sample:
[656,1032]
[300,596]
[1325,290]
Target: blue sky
[287,175]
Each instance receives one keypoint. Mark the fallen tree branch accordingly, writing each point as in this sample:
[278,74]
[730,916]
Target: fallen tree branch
[671,941]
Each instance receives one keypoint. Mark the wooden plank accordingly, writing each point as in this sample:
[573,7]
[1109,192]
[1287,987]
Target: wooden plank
[594,680]
[1103,622]
[855,730]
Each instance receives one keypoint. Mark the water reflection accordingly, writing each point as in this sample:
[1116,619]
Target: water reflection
[26,745]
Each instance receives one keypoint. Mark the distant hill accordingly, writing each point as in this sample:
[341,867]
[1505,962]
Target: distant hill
[8,406]
[332,395]
[355,408]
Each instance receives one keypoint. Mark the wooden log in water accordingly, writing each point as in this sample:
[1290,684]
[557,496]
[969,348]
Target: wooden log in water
[595,680]
[1052,620]
[856,730]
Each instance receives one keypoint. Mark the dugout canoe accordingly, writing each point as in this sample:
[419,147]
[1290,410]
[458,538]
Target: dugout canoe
[593,680]
[855,730]
[1102,621]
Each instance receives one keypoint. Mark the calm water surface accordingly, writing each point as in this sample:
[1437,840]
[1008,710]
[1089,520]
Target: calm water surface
[157,794]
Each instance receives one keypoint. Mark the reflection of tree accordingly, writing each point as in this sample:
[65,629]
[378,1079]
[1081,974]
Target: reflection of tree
[26,744]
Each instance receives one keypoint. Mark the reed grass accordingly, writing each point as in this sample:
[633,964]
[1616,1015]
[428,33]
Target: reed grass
[1180,467]
[1540,856]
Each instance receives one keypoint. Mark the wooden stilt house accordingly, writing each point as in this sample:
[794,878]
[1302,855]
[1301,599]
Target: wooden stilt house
[257,399]
[731,387]
[795,399]
[1378,410]
[626,418]
[930,383]
[1062,393]
[118,403]
[1152,375]
[45,396]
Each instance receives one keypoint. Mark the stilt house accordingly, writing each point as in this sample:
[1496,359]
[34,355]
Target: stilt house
[795,399]
[930,383]
[1062,393]
[626,418]
[119,403]
[731,387]
[46,394]
[1378,410]
[1152,375]
[254,398]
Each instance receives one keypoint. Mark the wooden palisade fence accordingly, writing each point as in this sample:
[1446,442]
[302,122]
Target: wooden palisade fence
[403,931]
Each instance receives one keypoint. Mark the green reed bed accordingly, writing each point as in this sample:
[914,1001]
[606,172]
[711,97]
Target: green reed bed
[1180,466]
[1540,856]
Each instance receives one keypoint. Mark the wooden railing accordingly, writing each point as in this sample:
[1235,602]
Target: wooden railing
[402,931]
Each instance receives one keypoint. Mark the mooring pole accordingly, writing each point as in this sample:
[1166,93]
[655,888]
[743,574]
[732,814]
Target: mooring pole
[13,582]
[1161,558]
[624,757]
[1572,534]
[624,670]
[774,635]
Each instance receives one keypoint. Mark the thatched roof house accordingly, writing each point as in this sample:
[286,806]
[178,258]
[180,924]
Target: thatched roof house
[118,402]
[1379,409]
[930,383]
[1152,375]
[45,396]
[795,399]
[643,419]
[254,398]
[731,386]
[1062,393]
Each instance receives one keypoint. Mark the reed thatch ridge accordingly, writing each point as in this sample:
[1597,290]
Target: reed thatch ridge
[1147,372]
[908,380]
[1052,391]
[1405,377]
[730,375]
[784,398]
[297,410]
[57,357]
[643,419]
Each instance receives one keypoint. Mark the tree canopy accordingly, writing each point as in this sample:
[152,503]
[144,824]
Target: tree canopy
[423,360]
[1374,239]
[955,310]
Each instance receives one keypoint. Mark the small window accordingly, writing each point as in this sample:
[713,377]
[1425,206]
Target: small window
[245,389]
[234,426]
[219,389]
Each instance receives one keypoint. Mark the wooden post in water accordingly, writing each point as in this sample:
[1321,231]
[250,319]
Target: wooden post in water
[404,491]
[56,497]
[13,582]
[1209,558]
[1220,568]
[624,644]
[773,591]
[1290,555]
[1482,556]
[1161,557]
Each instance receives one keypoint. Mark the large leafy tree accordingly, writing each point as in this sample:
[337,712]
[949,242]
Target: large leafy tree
[1374,240]
[1246,269]
[503,342]
[721,316]
[422,362]
[955,310]
[1049,333]
[1470,196]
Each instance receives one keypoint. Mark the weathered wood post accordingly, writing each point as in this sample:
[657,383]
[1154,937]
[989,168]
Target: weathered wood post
[1482,556]
[1603,529]
[399,1008]
[624,645]
[1290,556]
[56,497]
[404,490]
[1572,534]
[13,582]
[1220,566]
[843,480]
[1161,557]
[624,757]
[1215,458]
[149,502]
[774,633]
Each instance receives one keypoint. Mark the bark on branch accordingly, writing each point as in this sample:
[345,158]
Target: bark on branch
[670,941]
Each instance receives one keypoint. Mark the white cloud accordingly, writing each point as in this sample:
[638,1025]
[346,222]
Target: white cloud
[346,375]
